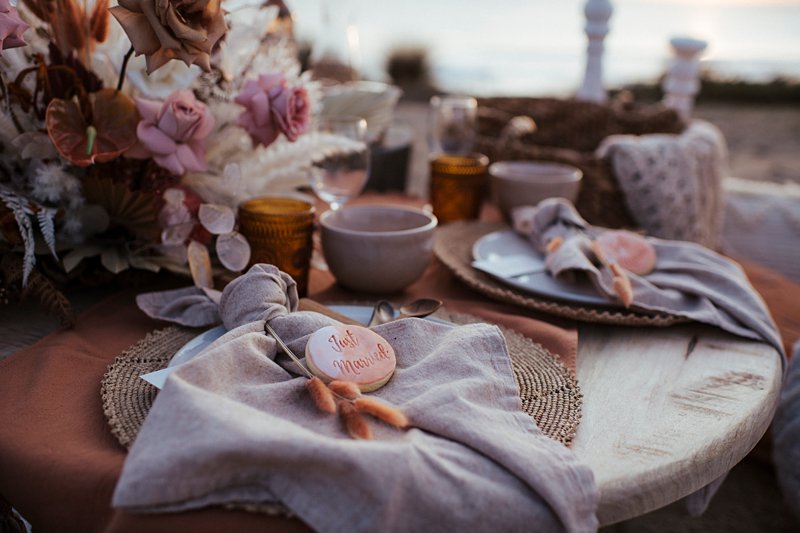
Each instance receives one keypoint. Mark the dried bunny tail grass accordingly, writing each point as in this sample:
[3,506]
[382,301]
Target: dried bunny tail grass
[322,395]
[598,252]
[381,411]
[70,19]
[622,284]
[554,244]
[345,389]
[98,22]
[355,424]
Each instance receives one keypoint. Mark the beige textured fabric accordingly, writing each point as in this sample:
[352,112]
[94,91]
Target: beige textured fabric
[236,424]
[454,248]
[548,390]
[688,280]
[672,183]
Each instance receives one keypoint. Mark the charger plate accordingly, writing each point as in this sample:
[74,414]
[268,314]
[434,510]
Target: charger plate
[454,248]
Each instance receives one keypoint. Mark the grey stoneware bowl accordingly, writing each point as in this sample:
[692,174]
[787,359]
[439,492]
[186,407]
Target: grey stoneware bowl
[377,248]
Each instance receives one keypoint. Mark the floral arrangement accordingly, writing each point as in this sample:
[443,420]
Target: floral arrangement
[129,134]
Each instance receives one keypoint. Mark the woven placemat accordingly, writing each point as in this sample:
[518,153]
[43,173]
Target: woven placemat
[453,247]
[549,392]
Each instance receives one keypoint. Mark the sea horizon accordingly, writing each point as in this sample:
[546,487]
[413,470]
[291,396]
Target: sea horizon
[538,47]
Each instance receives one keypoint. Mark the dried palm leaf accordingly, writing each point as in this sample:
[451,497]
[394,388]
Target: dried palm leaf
[136,211]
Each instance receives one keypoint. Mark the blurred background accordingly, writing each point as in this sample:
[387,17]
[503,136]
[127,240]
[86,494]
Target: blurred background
[537,47]
[750,70]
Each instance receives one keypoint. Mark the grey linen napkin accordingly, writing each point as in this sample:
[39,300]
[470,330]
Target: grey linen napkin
[236,424]
[689,280]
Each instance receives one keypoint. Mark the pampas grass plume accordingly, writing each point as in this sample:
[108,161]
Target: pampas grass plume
[322,395]
[382,412]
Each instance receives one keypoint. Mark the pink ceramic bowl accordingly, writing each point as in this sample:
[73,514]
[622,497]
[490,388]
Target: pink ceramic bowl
[377,249]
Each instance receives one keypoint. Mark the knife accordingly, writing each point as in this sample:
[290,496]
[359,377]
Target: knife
[510,266]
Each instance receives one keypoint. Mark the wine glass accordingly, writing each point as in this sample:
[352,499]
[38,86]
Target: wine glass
[341,175]
[452,124]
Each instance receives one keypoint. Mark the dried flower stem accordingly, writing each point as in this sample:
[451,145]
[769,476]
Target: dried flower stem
[124,68]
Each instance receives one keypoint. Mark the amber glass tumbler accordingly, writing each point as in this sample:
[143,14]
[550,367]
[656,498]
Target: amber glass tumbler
[280,232]
[458,186]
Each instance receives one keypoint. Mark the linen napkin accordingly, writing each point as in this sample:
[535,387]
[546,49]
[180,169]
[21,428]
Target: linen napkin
[236,424]
[689,280]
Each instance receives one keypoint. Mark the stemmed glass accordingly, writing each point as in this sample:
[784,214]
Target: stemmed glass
[342,173]
[452,124]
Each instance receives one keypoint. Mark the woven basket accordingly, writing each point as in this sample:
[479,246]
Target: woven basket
[569,131]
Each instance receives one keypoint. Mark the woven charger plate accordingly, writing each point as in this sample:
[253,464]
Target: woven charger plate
[453,247]
[549,392]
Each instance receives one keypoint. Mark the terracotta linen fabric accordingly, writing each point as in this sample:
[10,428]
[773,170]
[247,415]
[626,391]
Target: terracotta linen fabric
[58,460]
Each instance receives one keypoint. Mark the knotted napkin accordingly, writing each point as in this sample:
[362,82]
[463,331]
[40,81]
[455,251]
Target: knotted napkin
[237,424]
[689,280]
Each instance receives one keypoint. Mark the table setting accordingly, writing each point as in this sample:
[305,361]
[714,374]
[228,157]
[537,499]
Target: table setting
[281,344]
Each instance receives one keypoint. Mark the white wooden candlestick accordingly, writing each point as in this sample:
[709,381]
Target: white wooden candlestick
[682,81]
[597,13]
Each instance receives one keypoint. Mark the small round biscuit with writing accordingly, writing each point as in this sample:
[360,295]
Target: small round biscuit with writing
[351,353]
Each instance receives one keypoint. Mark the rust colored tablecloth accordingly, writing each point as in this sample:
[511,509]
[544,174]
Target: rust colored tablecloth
[59,463]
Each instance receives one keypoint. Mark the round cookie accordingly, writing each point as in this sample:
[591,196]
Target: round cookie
[351,353]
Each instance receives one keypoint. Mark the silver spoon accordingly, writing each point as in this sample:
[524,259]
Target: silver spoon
[384,311]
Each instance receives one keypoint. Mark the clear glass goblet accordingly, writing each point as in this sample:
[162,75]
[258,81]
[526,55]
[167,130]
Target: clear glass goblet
[341,175]
[452,124]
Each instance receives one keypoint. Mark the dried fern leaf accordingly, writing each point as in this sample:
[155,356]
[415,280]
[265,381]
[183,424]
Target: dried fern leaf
[53,300]
[47,225]
[20,207]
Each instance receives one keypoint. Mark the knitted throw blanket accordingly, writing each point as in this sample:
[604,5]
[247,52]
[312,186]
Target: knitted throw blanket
[672,183]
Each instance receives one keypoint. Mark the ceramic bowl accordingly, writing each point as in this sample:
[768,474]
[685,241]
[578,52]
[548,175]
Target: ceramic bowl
[377,249]
[372,100]
[519,183]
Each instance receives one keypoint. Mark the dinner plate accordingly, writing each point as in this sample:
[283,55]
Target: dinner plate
[510,259]
[360,313]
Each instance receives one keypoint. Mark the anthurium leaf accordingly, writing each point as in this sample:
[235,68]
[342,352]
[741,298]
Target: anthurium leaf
[111,132]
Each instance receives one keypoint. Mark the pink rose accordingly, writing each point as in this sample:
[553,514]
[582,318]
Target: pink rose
[11,26]
[173,132]
[272,108]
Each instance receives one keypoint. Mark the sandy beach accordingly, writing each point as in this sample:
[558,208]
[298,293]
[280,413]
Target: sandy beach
[763,140]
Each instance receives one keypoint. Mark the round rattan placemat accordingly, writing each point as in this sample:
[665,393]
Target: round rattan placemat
[453,247]
[548,390]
